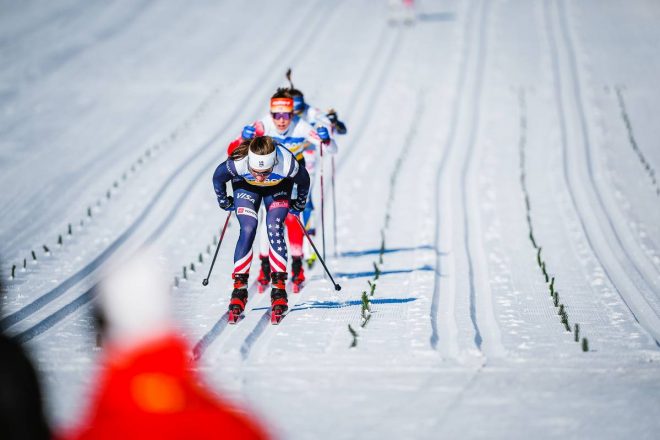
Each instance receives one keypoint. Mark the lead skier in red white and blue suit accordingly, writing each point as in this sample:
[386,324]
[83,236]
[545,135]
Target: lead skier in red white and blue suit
[258,168]
[297,136]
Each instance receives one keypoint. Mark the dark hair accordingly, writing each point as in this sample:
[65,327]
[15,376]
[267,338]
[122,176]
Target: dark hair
[295,92]
[282,92]
[292,90]
[259,145]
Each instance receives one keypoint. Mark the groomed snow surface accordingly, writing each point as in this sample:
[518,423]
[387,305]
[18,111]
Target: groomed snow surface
[501,166]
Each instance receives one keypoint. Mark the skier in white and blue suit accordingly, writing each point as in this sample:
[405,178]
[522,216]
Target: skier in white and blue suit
[261,169]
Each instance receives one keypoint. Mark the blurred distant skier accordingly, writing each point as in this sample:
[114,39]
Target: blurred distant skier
[258,168]
[146,388]
[401,10]
[295,135]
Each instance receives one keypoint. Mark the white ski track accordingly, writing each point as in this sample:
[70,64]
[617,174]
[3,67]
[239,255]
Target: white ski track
[461,124]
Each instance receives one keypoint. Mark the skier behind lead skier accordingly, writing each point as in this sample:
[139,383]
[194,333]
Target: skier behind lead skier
[260,169]
[313,115]
[316,118]
[296,136]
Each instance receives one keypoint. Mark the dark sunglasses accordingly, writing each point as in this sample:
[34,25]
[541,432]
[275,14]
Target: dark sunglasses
[264,173]
[285,116]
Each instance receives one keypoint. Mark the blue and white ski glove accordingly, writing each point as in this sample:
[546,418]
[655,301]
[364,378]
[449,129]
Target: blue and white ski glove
[324,134]
[226,203]
[248,132]
[296,206]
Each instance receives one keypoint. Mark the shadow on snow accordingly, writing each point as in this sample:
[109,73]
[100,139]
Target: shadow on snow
[307,305]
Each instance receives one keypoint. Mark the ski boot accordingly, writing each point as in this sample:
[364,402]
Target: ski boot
[278,298]
[239,297]
[264,275]
[297,274]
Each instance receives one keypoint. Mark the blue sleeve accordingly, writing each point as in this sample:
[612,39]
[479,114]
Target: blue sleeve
[221,176]
[302,180]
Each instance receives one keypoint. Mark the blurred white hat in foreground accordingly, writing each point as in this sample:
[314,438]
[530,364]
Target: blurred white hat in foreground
[134,300]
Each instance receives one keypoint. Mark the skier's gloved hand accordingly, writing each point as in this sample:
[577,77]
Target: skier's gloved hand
[324,134]
[332,116]
[296,206]
[226,203]
[248,132]
[338,126]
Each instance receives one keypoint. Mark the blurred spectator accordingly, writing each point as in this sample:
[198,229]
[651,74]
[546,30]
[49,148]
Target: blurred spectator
[21,407]
[147,389]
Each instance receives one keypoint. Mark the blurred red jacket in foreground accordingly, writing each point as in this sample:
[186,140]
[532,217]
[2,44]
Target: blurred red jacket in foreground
[148,392]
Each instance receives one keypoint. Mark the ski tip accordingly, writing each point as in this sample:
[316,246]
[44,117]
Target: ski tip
[277,314]
[233,317]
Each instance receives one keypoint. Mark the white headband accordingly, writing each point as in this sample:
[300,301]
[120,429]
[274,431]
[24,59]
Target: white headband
[261,162]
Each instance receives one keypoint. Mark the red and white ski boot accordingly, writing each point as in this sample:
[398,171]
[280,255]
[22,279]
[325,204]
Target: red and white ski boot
[278,299]
[239,297]
[264,275]
[297,274]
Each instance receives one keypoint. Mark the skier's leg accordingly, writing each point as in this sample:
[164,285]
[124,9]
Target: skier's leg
[264,272]
[277,207]
[309,214]
[311,166]
[295,234]
[246,212]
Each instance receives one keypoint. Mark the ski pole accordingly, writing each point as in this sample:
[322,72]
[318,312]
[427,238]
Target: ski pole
[322,199]
[334,211]
[337,286]
[205,281]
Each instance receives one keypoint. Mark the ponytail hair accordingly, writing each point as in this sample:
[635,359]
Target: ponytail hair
[261,145]
[292,90]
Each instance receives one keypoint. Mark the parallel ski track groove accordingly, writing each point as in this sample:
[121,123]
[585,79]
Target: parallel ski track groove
[57,316]
[474,128]
[588,146]
[216,330]
[564,142]
[264,322]
[457,105]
